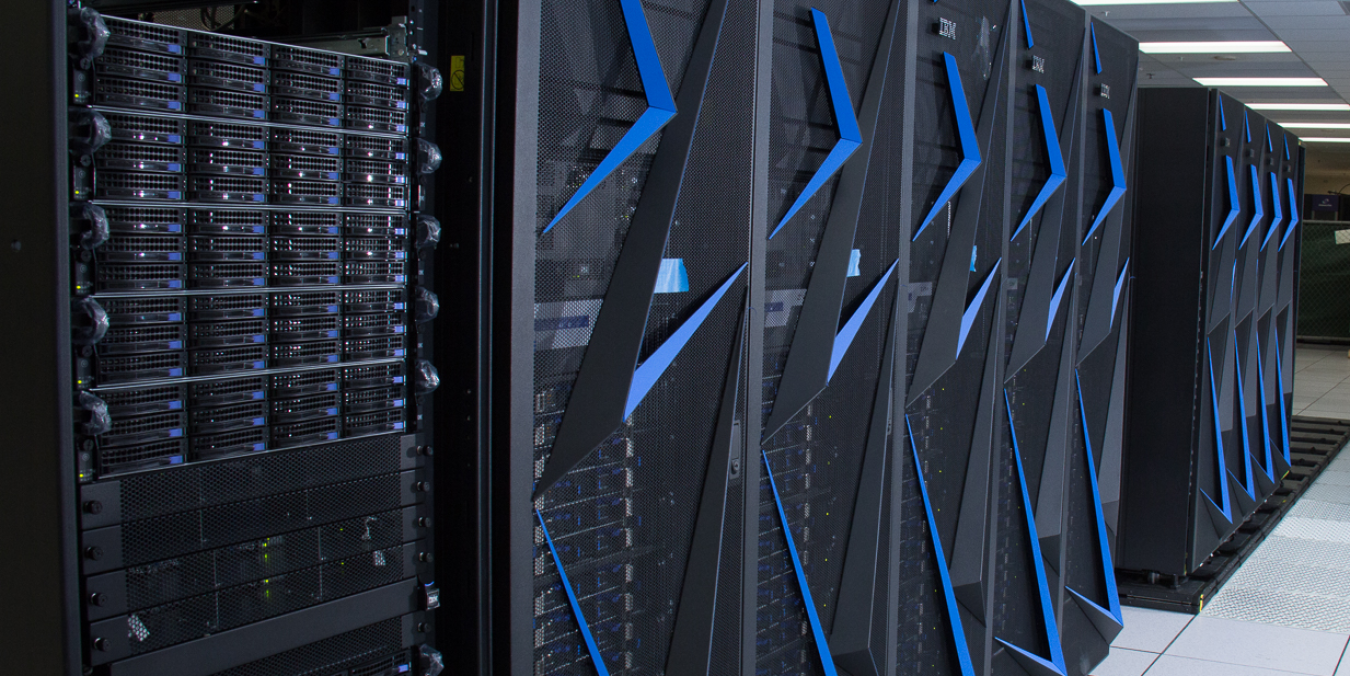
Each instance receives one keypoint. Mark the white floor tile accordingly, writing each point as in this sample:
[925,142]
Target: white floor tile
[1122,662]
[1149,630]
[1169,665]
[1259,645]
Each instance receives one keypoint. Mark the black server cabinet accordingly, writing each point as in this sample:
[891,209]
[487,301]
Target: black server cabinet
[1212,342]
[241,461]
[786,327]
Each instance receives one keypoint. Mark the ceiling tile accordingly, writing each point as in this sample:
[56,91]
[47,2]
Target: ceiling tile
[1211,10]
[1293,25]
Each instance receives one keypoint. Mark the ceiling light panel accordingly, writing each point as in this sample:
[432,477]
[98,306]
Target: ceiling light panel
[1094,3]
[1315,125]
[1261,81]
[1318,107]
[1234,47]
[1327,139]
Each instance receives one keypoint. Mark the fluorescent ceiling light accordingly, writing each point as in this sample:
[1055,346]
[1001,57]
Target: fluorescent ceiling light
[1326,139]
[1316,125]
[1236,47]
[1300,106]
[1261,81]
[1088,3]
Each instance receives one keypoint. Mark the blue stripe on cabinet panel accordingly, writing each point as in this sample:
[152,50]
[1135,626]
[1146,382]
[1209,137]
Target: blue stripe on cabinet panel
[672,277]
[1096,55]
[970,147]
[1103,538]
[646,375]
[1293,213]
[1026,23]
[1115,293]
[1056,661]
[1249,483]
[660,106]
[591,647]
[1246,125]
[973,308]
[1258,210]
[850,136]
[1057,298]
[1057,171]
[1270,145]
[1279,391]
[1234,207]
[1117,173]
[1223,119]
[1218,439]
[817,630]
[1278,217]
[1265,408]
[948,593]
[845,337]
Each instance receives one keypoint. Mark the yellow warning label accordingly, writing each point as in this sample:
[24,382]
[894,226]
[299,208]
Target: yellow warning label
[457,73]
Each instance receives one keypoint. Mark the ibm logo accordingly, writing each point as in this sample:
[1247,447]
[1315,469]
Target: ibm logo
[947,28]
[1038,64]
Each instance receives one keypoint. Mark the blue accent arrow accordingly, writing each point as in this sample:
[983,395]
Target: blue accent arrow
[1286,147]
[1269,144]
[1284,419]
[1117,174]
[1258,211]
[660,105]
[1027,24]
[1056,661]
[1103,540]
[850,136]
[591,647]
[973,308]
[1218,440]
[845,337]
[1233,206]
[1279,211]
[646,375]
[1057,297]
[1115,294]
[970,147]
[1293,213]
[948,593]
[817,631]
[1223,119]
[1265,419]
[1246,125]
[1057,171]
[1249,484]
[1095,54]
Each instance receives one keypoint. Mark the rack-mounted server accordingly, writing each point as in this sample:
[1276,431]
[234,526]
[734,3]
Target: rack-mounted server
[1211,388]
[244,377]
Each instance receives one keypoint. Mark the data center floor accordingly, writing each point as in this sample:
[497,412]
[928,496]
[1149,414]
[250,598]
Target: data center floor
[1287,609]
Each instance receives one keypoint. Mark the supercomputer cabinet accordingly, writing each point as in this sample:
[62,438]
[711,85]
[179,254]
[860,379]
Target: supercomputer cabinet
[786,321]
[1211,343]
[218,384]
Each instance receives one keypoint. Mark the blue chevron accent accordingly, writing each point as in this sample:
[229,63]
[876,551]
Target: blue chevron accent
[1284,418]
[660,105]
[591,647]
[1279,211]
[1265,418]
[817,631]
[1269,144]
[1115,294]
[850,136]
[1095,54]
[1057,171]
[646,375]
[1258,210]
[1246,125]
[1057,298]
[970,147]
[1056,661]
[948,593]
[1286,147]
[1233,206]
[1223,120]
[1026,22]
[968,317]
[1293,213]
[1103,540]
[1218,439]
[1249,484]
[1117,174]
[845,337]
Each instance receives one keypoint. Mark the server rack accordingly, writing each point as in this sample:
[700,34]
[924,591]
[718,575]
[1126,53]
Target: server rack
[1216,368]
[245,479]
[782,445]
